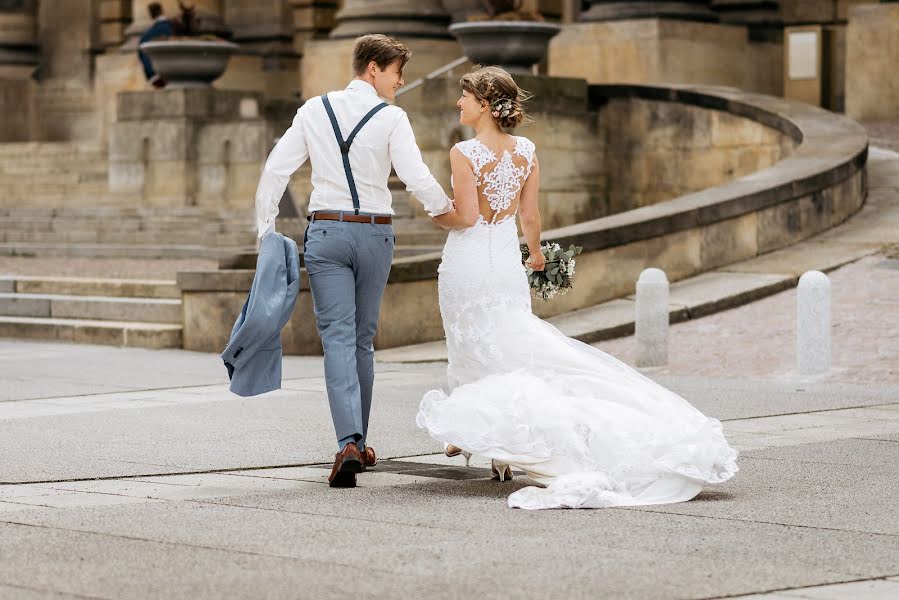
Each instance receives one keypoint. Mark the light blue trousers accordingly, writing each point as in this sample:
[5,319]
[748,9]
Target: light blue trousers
[348,264]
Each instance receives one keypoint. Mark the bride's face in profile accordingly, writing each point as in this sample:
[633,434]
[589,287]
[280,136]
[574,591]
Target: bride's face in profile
[470,108]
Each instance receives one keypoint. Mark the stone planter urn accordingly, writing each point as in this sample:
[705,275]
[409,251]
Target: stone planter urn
[513,45]
[189,63]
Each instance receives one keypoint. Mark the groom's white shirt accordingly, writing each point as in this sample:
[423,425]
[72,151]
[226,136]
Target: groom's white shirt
[386,139]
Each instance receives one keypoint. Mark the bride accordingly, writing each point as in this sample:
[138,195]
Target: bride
[591,430]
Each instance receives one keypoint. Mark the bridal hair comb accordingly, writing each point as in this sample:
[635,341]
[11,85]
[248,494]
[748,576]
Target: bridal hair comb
[501,108]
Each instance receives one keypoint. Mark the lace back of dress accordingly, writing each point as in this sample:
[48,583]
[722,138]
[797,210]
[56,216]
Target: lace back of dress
[499,180]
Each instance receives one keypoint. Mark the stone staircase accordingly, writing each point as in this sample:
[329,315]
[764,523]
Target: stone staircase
[46,174]
[67,109]
[184,232]
[117,312]
[54,201]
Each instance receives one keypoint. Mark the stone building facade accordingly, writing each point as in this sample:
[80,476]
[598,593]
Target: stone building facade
[68,71]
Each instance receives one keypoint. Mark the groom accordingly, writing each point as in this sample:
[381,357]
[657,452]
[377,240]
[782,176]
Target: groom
[352,138]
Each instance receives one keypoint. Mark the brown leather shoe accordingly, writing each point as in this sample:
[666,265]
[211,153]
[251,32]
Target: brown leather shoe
[347,463]
[369,459]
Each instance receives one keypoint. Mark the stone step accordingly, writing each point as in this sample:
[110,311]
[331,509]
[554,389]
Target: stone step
[86,331]
[174,212]
[22,187]
[49,200]
[52,197]
[147,251]
[90,286]
[91,231]
[100,308]
[11,175]
[127,223]
[14,150]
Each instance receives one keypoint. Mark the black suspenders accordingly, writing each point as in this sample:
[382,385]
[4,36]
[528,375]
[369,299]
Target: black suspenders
[345,144]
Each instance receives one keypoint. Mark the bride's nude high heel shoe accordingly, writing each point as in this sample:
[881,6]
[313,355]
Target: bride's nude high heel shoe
[499,471]
[452,451]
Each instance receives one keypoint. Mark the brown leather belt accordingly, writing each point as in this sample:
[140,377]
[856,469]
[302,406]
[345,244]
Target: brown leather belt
[329,216]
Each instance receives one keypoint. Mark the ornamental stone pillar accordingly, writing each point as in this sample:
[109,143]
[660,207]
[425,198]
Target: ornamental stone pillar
[751,13]
[397,18]
[610,10]
[421,24]
[18,33]
[662,42]
[267,61]
[18,59]
[312,20]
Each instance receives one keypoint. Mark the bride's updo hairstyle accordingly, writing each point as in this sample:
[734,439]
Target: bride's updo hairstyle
[496,87]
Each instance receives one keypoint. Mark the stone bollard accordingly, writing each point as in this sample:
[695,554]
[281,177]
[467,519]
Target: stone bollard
[652,318]
[813,323]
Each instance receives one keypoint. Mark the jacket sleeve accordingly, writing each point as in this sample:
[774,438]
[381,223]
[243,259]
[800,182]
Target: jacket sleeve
[264,304]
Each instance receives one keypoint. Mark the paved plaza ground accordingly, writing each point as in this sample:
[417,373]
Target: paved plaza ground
[131,473]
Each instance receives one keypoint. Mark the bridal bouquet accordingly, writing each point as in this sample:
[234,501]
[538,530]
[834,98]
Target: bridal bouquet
[555,278]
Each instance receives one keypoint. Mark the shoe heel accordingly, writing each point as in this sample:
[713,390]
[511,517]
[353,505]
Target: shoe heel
[352,466]
[452,451]
[500,471]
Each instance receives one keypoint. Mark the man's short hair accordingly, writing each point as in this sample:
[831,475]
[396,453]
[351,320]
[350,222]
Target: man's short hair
[155,9]
[381,49]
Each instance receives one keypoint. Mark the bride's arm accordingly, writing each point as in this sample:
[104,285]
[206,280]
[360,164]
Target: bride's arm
[465,189]
[530,218]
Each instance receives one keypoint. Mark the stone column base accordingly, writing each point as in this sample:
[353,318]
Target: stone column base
[872,91]
[667,52]
[188,147]
[328,64]
[17,103]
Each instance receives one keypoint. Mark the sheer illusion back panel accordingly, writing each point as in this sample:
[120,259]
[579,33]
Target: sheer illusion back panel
[499,176]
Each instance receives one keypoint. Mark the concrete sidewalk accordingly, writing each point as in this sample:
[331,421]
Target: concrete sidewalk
[131,473]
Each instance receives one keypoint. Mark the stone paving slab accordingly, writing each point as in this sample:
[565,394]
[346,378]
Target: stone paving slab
[811,255]
[423,531]
[878,589]
[83,562]
[792,489]
[716,291]
[34,369]
[105,435]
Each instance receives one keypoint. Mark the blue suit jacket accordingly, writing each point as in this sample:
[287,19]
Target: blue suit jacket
[253,354]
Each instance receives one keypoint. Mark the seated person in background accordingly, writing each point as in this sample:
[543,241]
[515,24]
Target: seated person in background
[161,27]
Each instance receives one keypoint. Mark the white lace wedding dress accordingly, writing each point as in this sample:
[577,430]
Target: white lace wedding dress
[594,431]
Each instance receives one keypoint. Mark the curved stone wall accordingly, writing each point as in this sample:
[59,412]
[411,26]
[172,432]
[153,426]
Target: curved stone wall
[655,150]
[820,184]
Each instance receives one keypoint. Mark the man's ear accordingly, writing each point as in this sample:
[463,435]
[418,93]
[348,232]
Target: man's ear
[372,67]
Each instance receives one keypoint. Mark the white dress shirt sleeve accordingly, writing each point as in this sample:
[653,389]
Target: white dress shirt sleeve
[288,155]
[411,169]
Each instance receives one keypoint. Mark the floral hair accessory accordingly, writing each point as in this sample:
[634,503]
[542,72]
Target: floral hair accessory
[502,107]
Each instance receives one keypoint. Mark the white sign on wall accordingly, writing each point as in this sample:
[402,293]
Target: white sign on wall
[803,55]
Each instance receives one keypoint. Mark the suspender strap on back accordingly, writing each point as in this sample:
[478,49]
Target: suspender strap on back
[345,144]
